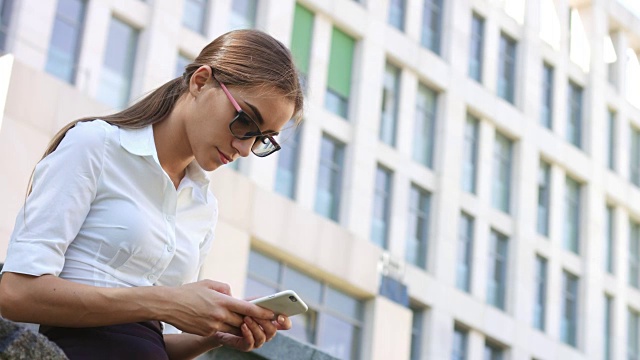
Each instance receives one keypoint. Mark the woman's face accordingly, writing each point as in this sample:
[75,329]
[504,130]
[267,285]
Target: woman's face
[211,112]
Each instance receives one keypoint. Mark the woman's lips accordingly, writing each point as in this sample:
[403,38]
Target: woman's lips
[223,158]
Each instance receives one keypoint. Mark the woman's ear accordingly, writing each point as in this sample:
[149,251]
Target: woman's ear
[199,79]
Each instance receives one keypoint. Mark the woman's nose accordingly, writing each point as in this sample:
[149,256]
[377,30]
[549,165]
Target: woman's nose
[243,146]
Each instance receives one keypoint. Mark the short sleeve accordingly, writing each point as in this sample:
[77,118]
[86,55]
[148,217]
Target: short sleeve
[64,185]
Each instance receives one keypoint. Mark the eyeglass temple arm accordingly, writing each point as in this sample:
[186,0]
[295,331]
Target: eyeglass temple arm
[233,101]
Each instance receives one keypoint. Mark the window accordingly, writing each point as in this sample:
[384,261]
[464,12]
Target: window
[540,307]
[493,352]
[418,231]
[502,163]
[424,130]
[634,170]
[633,335]
[339,81]
[194,15]
[611,143]
[119,60]
[243,14]
[544,197]
[431,25]
[465,252]
[568,323]
[397,10]
[546,110]
[334,321]
[608,326]
[301,38]
[470,162]
[497,270]
[460,340]
[477,46]
[574,124]
[288,156]
[609,238]
[181,64]
[634,254]
[416,332]
[507,68]
[390,101]
[6,8]
[381,207]
[330,178]
[62,59]
[572,216]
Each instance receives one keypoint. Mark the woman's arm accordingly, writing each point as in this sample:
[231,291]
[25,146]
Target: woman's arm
[201,308]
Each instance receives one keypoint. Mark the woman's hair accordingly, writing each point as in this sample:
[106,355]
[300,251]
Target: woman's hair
[242,58]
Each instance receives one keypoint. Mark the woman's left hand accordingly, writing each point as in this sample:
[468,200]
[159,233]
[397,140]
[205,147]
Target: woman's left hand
[253,333]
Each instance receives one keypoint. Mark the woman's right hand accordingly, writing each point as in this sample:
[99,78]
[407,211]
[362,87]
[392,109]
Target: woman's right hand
[206,307]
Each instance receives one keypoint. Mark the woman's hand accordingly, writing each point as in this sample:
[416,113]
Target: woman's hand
[206,307]
[253,333]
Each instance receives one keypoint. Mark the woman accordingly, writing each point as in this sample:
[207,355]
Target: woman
[119,217]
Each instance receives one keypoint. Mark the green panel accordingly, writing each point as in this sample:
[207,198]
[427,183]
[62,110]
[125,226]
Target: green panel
[301,38]
[340,63]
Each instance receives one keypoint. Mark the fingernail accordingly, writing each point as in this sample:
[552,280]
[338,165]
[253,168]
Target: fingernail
[281,319]
[248,320]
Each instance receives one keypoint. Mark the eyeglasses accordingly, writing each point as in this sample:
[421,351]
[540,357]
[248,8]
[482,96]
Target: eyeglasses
[243,127]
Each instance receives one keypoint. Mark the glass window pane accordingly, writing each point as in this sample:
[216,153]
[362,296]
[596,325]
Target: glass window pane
[254,289]
[301,37]
[343,303]
[465,252]
[305,286]
[264,266]
[329,178]
[62,58]
[390,100]
[337,337]
[477,44]
[115,86]
[340,63]
[287,172]
[396,13]
[381,207]
[471,142]
[506,68]
[424,127]
[304,326]
[431,25]
[243,14]
[194,15]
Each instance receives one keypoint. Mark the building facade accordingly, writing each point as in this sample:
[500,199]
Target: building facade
[465,184]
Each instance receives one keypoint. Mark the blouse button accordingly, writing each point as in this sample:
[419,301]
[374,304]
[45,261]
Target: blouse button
[170,248]
[151,277]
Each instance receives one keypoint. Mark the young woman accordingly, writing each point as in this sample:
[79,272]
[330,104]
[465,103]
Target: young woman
[119,217]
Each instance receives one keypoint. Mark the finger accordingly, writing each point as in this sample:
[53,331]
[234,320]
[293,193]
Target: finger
[246,308]
[283,322]
[268,327]
[258,334]
[248,337]
[230,330]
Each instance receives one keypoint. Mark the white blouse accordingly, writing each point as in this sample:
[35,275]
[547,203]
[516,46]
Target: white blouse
[104,213]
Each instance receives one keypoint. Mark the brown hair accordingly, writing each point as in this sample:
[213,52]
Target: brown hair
[244,58]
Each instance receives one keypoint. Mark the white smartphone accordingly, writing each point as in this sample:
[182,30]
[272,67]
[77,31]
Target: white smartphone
[285,302]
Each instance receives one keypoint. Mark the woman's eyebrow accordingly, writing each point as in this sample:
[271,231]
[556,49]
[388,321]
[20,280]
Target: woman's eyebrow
[260,119]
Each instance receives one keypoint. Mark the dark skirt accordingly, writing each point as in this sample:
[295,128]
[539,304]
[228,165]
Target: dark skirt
[142,340]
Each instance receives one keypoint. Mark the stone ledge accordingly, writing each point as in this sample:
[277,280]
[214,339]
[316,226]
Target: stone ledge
[281,347]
